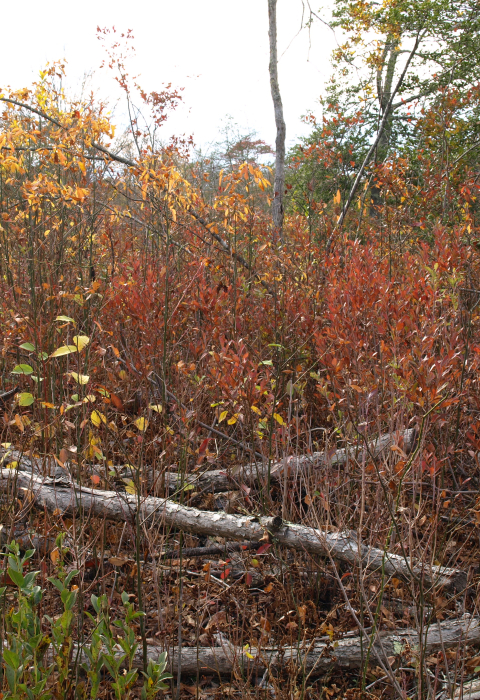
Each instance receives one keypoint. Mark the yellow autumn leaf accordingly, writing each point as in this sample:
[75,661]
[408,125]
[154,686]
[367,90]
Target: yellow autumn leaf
[222,416]
[142,424]
[255,409]
[156,407]
[64,350]
[279,419]
[97,418]
[247,653]
[232,420]
[80,341]
[80,378]
[130,487]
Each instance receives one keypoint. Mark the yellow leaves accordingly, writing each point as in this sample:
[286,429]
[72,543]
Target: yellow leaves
[64,350]
[222,416]
[97,418]
[141,423]
[93,449]
[80,341]
[80,378]
[233,419]
[130,487]
[247,653]
[279,419]
[256,410]
[338,197]
[157,407]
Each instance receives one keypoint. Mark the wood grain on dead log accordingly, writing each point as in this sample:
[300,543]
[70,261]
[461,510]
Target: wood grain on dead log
[344,546]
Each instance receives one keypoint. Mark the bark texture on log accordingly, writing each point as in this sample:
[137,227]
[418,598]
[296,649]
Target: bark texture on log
[317,657]
[70,498]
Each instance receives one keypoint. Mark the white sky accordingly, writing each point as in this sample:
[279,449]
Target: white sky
[216,49]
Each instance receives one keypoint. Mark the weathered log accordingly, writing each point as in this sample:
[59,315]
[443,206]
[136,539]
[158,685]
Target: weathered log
[70,498]
[225,550]
[317,657]
[222,480]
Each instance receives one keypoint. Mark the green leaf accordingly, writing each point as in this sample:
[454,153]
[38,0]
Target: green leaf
[16,577]
[22,369]
[11,658]
[28,346]
[25,399]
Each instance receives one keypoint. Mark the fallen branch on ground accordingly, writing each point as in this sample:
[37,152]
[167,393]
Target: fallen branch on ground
[69,498]
[317,657]
[222,480]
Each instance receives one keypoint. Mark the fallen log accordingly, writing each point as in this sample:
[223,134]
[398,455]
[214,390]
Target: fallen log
[221,479]
[69,498]
[316,657]
[222,550]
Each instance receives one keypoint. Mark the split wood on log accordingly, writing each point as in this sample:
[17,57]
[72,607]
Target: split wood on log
[344,546]
[317,657]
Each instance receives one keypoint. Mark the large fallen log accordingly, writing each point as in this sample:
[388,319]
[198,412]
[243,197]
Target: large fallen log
[70,498]
[223,480]
[317,657]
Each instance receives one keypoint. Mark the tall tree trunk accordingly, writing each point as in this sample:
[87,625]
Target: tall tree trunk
[384,93]
[279,183]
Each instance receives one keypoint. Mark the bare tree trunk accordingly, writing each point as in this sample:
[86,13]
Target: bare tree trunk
[374,145]
[279,183]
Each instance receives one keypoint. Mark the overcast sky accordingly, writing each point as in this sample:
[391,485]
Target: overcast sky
[216,49]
